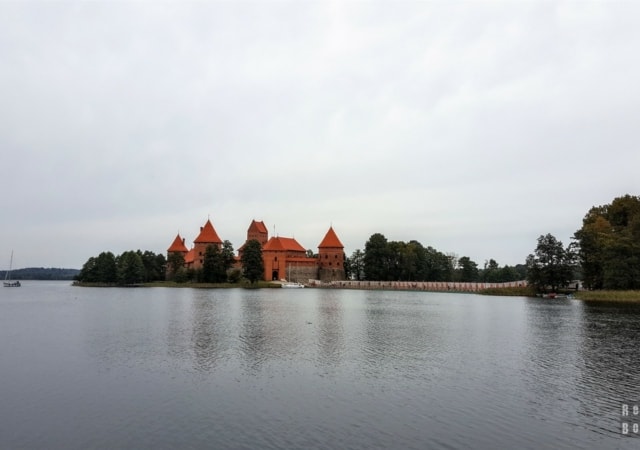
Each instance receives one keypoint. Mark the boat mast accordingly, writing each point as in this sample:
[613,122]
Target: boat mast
[6,275]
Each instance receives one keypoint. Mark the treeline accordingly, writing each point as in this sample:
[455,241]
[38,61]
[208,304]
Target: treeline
[604,254]
[384,260]
[129,268]
[41,273]
[136,267]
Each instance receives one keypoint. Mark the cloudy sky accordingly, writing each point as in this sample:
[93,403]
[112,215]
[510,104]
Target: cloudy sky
[472,127]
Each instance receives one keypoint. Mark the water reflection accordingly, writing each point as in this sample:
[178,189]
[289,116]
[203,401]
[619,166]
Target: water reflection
[330,329]
[324,369]
[609,369]
[398,335]
[209,336]
[276,327]
[581,362]
[253,339]
[549,359]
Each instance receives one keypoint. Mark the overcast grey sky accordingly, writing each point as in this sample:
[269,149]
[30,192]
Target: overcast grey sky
[472,127]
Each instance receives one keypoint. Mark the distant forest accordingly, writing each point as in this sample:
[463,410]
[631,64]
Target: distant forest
[41,273]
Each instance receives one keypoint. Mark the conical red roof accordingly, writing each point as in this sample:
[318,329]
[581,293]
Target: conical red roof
[178,245]
[330,240]
[257,227]
[208,235]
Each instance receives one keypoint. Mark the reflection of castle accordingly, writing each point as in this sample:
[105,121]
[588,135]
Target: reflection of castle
[282,257]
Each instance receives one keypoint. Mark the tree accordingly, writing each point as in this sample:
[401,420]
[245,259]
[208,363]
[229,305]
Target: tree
[228,255]
[175,266]
[376,258]
[468,270]
[252,263]
[100,269]
[213,266]
[356,265]
[609,245]
[438,266]
[88,272]
[491,272]
[130,269]
[154,265]
[551,265]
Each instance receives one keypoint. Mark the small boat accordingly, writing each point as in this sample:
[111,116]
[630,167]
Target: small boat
[291,284]
[7,277]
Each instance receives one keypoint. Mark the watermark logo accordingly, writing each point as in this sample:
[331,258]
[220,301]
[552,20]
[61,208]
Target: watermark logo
[630,419]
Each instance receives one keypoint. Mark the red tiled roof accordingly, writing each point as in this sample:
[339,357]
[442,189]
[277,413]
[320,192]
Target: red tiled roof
[178,245]
[190,257]
[208,235]
[283,243]
[257,227]
[330,240]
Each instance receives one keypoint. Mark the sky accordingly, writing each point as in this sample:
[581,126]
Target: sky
[472,127]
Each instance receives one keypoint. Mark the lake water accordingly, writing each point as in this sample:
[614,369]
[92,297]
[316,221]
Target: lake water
[86,368]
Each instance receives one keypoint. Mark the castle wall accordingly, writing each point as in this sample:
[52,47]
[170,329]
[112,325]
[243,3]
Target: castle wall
[303,271]
[327,275]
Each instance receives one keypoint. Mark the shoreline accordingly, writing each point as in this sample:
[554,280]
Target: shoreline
[603,296]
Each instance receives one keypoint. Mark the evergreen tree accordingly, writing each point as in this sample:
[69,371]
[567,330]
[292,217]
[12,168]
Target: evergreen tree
[252,263]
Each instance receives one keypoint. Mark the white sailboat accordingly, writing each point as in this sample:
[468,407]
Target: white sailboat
[290,284]
[7,276]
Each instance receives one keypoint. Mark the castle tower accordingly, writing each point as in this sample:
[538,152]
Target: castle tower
[177,247]
[331,258]
[258,231]
[207,236]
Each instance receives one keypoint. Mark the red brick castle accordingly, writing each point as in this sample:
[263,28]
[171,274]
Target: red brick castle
[283,257]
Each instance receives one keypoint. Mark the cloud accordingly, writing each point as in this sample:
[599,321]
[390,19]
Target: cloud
[471,127]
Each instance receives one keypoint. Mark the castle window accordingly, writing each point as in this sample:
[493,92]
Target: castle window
[336,256]
[275,259]
[326,256]
[329,262]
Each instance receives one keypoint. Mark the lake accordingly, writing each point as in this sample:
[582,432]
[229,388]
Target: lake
[140,368]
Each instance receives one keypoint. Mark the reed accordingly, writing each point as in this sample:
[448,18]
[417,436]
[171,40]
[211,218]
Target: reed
[608,296]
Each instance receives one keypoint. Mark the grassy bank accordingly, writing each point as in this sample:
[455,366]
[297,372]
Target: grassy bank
[608,296]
